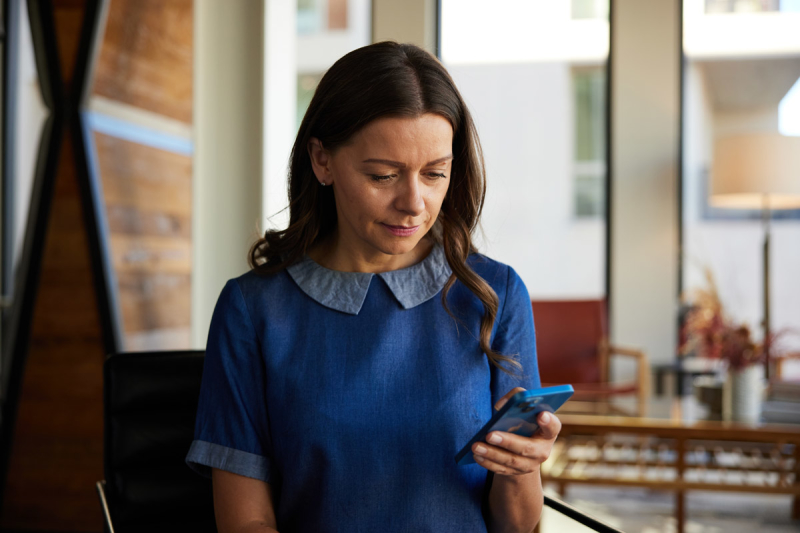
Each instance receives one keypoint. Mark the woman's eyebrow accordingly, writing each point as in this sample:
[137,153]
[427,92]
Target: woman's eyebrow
[398,164]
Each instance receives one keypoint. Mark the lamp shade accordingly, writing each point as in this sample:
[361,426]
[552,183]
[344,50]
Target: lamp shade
[755,171]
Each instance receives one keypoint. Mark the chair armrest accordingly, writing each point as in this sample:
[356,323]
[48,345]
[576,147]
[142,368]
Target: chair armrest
[628,352]
[101,493]
[642,373]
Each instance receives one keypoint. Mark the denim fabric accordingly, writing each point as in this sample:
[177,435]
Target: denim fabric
[354,413]
[346,291]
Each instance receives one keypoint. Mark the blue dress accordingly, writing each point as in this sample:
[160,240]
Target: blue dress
[351,393]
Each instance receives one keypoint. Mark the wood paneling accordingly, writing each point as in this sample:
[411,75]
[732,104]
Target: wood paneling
[146,57]
[150,255]
[146,178]
[57,453]
[155,302]
[146,62]
[148,198]
[68,19]
[131,220]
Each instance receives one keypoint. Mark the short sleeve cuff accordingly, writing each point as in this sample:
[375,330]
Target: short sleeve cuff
[203,456]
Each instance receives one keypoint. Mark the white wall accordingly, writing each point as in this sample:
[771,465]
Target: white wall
[524,115]
[519,31]
[228,166]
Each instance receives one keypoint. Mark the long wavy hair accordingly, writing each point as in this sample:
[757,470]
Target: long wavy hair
[386,79]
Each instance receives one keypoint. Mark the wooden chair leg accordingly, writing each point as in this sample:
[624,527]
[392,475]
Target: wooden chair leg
[796,499]
[680,511]
[643,394]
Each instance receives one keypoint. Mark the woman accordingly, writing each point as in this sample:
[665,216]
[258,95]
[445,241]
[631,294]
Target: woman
[370,342]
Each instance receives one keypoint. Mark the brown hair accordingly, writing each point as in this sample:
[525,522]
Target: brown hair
[380,80]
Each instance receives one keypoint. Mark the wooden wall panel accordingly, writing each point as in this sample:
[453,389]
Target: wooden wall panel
[151,180]
[155,302]
[145,63]
[68,19]
[148,196]
[146,57]
[57,454]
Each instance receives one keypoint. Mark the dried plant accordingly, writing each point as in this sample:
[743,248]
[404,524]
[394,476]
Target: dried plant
[708,332]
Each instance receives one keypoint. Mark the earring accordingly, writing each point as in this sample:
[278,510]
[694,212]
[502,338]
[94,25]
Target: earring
[322,183]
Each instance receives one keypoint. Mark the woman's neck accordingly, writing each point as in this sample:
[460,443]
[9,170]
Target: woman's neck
[332,254]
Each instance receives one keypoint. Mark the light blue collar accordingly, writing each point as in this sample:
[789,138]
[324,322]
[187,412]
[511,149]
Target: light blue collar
[346,291]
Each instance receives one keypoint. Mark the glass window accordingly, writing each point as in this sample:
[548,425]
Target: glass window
[140,116]
[589,90]
[535,83]
[590,9]
[315,16]
[741,78]
[789,112]
[27,119]
[741,6]
[326,30]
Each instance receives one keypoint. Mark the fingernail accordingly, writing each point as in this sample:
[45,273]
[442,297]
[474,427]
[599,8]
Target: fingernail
[494,438]
[478,458]
[544,418]
[481,449]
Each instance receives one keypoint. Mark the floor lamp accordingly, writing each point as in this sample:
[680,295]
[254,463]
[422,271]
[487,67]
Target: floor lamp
[758,171]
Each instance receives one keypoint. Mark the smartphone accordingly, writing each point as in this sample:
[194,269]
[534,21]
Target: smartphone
[519,415]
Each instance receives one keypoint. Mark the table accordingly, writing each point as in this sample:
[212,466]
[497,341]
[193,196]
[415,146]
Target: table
[684,370]
[677,456]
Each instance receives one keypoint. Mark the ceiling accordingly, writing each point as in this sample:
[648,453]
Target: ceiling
[750,83]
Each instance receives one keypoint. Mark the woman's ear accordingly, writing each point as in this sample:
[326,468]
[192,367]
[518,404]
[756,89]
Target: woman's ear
[320,161]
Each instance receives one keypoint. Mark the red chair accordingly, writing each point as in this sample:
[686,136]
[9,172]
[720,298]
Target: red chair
[572,347]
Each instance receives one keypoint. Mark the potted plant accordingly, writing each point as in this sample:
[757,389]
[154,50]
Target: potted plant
[708,332]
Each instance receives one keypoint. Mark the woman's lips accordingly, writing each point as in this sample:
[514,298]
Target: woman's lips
[401,231]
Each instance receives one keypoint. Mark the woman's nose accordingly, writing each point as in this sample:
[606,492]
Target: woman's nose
[410,198]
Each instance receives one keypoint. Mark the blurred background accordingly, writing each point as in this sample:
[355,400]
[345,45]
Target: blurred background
[603,125]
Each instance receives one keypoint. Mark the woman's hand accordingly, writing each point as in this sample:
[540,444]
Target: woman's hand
[508,454]
[515,499]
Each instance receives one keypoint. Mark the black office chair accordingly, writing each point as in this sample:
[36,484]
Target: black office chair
[150,402]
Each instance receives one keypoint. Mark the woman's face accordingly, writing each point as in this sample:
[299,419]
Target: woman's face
[389,182]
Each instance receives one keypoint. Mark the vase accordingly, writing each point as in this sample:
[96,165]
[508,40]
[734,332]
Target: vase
[743,394]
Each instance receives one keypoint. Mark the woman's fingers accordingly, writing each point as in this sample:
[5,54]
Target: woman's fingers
[549,426]
[506,453]
[505,469]
[519,453]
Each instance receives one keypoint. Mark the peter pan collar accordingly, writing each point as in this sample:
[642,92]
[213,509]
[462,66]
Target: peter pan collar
[346,291]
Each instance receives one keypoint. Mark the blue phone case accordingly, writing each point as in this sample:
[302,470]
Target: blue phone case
[519,415]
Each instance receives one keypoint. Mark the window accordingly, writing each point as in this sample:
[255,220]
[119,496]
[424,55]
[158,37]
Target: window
[740,79]
[535,84]
[326,30]
[589,89]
